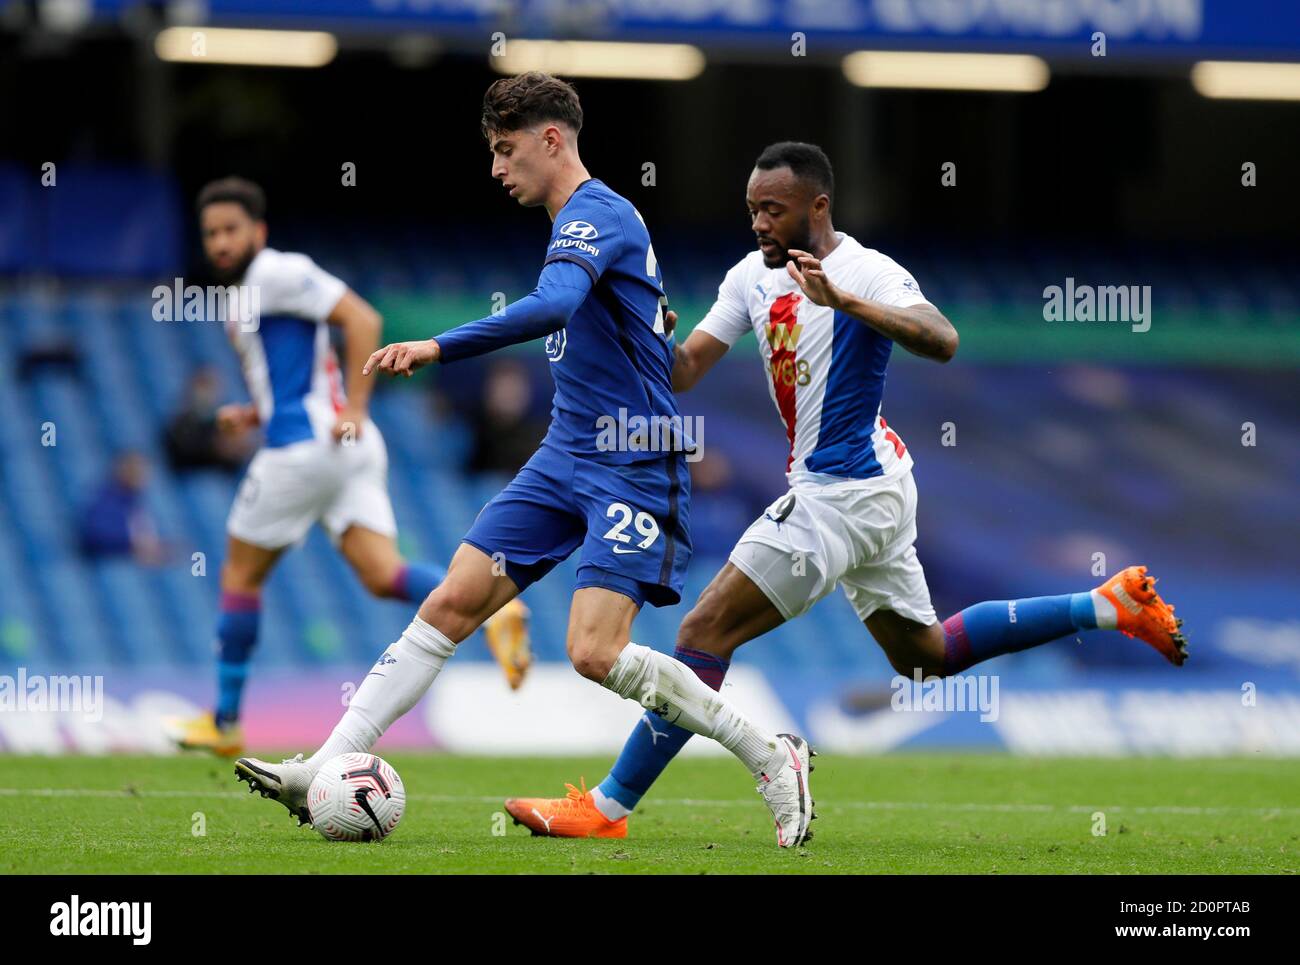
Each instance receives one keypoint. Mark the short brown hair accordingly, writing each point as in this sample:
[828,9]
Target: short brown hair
[513,103]
[239,190]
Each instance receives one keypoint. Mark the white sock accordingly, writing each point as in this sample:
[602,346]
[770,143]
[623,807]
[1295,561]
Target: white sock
[394,685]
[670,689]
[1107,615]
[607,806]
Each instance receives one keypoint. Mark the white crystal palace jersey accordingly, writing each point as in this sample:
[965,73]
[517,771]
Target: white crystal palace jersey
[825,370]
[289,365]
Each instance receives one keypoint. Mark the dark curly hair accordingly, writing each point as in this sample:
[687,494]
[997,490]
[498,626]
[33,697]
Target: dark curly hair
[239,190]
[514,103]
[807,162]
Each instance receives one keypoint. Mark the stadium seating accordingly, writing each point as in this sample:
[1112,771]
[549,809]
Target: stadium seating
[993,520]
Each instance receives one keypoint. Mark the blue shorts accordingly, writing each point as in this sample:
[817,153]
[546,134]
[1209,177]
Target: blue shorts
[630,520]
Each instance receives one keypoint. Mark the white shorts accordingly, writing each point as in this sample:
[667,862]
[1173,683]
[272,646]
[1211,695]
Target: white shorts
[289,488]
[857,534]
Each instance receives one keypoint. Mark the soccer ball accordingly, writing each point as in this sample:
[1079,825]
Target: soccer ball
[356,797]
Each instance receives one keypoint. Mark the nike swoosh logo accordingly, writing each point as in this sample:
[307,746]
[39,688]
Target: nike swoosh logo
[623,552]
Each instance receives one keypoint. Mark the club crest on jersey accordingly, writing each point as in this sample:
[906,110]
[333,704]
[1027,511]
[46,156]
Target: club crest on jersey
[556,343]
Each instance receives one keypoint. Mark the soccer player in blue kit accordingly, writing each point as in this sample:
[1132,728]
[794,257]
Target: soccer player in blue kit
[600,305]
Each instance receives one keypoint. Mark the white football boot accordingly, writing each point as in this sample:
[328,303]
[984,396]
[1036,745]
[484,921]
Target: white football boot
[286,782]
[787,793]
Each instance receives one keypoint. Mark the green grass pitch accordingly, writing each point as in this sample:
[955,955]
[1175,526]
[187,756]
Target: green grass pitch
[914,813]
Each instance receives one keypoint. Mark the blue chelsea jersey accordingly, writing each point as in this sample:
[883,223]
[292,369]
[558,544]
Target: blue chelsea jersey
[612,363]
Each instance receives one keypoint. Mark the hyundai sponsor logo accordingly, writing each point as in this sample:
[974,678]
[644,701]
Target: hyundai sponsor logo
[582,230]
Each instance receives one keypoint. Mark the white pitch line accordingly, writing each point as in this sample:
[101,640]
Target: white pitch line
[707,803]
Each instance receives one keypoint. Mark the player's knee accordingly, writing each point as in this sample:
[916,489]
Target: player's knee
[592,657]
[455,609]
[590,664]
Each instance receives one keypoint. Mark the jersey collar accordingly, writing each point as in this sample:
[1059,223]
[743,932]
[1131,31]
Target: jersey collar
[581,185]
[839,251]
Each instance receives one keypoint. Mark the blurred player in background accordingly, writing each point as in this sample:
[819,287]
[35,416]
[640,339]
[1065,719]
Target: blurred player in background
[599,302]
[826,312]
[322,460]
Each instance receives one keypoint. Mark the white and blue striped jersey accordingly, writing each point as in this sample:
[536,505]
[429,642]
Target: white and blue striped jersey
[825,369]
[289,365]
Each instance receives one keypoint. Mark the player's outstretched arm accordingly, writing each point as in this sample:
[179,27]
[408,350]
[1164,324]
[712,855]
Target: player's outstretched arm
[402,358]
[562,288]
[694,357]
[921,329]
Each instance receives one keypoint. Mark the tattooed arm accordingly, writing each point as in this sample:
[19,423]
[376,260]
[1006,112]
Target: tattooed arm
[921,329]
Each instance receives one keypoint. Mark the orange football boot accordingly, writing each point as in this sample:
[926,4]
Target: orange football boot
[508,639]
[203,733]
[572,816]
[1143,614]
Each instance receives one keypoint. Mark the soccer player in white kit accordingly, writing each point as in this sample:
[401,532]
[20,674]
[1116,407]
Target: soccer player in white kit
[322,460]
[826,312]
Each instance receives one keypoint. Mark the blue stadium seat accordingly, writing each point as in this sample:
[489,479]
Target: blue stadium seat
[993,518]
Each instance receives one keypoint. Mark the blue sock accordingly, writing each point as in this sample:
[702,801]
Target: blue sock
[1004,626]
[415,581]
[654,742]
[236,636]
